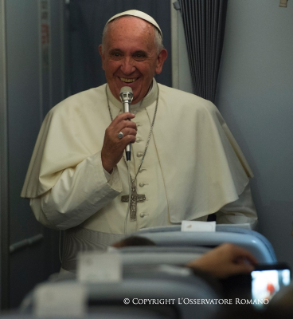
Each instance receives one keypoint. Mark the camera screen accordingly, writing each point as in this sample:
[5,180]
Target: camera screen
[265,283]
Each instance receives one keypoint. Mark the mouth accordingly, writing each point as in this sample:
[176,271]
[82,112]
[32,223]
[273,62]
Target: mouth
[128,80]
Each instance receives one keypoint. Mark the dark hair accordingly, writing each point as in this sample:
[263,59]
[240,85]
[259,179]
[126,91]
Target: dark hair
[134,241]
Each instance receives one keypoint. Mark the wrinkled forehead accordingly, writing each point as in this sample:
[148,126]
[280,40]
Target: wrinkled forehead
[130,26]
[131,34]
[137,14]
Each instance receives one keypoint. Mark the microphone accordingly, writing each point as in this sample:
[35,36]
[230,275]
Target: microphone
[126,97]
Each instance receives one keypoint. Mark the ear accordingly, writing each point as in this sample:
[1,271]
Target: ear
[160,60]
[102,55]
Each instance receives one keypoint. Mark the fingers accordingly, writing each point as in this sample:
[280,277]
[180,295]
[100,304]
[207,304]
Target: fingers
[229,260]
[123,117]
[122,124]
[242,255]
[113,146]
[127,130]
[236,260]
[129,136]
[236,253]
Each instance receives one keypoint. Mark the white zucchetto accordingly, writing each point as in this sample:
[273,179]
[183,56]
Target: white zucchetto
[138,14]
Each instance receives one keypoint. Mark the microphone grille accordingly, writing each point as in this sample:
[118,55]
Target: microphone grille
[126,94]
[125,89]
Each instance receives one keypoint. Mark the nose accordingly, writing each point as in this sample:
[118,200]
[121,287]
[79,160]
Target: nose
[127,66]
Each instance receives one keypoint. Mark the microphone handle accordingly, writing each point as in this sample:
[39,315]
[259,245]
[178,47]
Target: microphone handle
[126,108]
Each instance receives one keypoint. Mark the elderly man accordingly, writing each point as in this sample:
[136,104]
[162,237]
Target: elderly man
[185,163]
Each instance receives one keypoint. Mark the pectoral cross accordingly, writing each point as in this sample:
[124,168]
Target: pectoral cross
[135,198]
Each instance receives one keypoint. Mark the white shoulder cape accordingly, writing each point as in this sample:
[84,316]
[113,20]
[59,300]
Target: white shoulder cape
[202,165]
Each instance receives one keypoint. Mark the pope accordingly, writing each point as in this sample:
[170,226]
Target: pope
[185,162]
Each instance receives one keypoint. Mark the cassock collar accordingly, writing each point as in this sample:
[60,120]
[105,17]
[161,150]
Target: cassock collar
[149,99]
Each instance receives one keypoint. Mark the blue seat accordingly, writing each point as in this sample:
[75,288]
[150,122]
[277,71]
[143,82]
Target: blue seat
[155,255]
[253,241]
[140,285]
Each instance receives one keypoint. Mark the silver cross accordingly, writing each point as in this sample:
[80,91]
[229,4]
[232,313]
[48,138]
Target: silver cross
[135,198]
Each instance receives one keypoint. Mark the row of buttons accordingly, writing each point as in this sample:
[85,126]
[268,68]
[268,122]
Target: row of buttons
[140,154]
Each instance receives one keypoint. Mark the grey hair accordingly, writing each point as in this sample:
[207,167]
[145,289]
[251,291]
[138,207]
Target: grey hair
[158,38]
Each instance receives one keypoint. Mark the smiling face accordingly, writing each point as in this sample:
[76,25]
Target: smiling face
[130,57]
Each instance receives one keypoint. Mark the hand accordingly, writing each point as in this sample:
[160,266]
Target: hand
[113,147]
[224,261]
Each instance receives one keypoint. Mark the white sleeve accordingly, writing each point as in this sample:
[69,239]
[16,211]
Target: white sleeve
[242,211]
[79,193]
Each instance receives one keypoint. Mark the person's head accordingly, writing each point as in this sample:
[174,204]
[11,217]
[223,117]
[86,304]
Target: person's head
[132,53]
[133,241]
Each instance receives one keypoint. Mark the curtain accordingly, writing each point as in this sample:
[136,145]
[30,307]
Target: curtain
[86,22]
[204,28]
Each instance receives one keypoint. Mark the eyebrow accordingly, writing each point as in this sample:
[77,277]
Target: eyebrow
[140,52]
[115,50]
[121,51]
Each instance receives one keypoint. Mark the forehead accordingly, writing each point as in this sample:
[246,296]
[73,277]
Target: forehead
[131,30]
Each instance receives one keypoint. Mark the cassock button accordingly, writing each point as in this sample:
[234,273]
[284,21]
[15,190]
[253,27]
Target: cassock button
[141,215]
[139,154]
[137,140]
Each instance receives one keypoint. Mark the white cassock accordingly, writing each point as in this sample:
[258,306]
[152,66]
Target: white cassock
[193,167]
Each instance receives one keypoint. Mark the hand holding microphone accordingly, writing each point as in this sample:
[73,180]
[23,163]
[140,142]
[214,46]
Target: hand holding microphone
[126,97]
[113,147]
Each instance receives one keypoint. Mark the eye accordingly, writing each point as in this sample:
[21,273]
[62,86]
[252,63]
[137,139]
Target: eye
[139,56]
[116,55]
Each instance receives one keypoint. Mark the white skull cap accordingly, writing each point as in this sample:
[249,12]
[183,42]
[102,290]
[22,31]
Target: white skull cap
[138,14]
